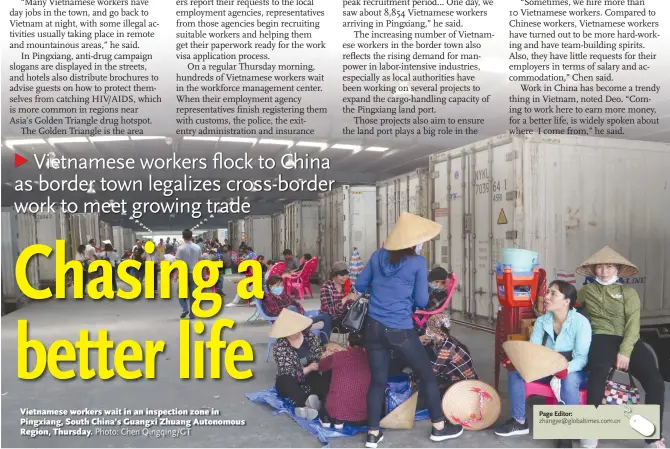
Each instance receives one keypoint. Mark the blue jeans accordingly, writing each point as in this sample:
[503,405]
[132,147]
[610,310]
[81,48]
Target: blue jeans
[379,342]
[186,303]
[570,387]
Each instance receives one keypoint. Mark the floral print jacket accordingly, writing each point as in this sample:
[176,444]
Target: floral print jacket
[288,363]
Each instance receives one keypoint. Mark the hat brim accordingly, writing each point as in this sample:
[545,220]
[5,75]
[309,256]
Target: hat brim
[411,230]
[469,398]
[289,323]
[607,256]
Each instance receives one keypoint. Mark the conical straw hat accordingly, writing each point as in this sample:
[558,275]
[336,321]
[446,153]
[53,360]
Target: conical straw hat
[472,403]
[402,417]
[289,323]
[411,230]
[533,362]
[607,256]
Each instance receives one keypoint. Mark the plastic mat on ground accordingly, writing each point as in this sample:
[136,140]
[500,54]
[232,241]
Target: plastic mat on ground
[397,392]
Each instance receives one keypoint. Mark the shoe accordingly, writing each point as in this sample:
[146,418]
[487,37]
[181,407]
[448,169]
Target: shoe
[512,427]
[313,402]
[447,432]
[374,440]
[233,304]
[588,442]
[325,422]
[184,315]
[658,444]
[338,425]
[306,413]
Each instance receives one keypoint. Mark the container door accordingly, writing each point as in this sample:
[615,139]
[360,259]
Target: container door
[493,215]
[402,193]
[392,211]
[27,231]
[382,207]
[448,209]
[10,252]
[361,213]
[48,232]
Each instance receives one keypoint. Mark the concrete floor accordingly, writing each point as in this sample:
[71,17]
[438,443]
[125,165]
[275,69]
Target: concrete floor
[159,320]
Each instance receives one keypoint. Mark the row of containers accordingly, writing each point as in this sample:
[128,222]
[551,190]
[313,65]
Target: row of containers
[21,230]
[564,198]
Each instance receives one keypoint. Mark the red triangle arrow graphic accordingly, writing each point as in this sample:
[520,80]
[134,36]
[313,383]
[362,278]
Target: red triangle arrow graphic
[19,160]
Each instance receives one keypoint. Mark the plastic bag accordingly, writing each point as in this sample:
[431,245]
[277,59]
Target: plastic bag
[398,390]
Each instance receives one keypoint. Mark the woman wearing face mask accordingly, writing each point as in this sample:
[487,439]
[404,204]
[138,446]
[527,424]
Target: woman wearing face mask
[614,311]
[397,278]
[564,330]
[277,300]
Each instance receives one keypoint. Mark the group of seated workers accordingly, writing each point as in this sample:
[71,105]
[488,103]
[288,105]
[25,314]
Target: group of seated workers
[597,329]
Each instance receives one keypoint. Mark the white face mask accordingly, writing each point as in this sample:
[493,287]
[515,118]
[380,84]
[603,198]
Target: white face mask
[418,248]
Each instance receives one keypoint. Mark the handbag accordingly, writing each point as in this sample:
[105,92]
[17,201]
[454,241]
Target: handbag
[617,393]
[355,317]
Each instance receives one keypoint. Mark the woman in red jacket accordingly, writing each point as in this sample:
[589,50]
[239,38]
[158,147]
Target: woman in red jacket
[347,396]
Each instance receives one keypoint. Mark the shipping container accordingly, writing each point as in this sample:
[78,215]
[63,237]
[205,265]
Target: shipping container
[347,220]
[405,193]
[302,227]
[236,233]
[278,235]
[128,240]
[49,228]
[222,235]
[19,231]
[117,238]
[84,227]
[564,197]
[258,230]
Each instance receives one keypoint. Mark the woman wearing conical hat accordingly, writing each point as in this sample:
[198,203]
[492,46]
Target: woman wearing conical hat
[614,311]
[397,279]
[297,353]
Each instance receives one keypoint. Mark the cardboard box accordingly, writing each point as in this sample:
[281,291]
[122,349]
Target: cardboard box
[521,337]
[527,326]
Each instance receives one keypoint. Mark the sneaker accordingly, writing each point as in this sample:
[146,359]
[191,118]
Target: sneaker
[325,422]
[306,413]
[233,304]
[374,440]
[658,444]
[589,442]
[184,315]
[313,402]
[512,427]
[338,425]
[447,432]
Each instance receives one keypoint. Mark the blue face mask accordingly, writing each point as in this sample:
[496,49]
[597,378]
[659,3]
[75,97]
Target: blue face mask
[277,290]
[431,286]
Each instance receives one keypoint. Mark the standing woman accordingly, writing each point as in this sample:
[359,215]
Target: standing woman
[398,277]
[112,257]
[614,312]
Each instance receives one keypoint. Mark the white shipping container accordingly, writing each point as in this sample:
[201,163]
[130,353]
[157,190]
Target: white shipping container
[222,235]
[128,240]
[302,227]
[19,231]
[117,238]
[236,233]
[258,229]
[347,220]
[49,228]
[405,193]
[84,227]
[278,235]
[564,197]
